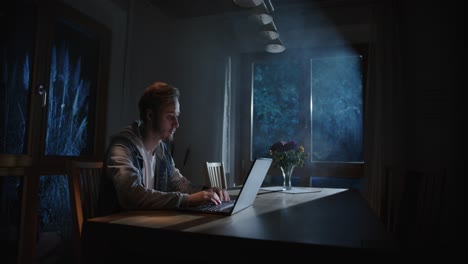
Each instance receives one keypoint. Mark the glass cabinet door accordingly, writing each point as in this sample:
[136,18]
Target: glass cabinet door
[17,47]
[17,52]
[72,89]
[53,83]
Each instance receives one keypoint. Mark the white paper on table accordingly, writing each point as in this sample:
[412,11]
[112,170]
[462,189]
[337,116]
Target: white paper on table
[293,189]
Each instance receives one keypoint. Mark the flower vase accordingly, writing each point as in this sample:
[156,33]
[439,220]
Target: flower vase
[287,174]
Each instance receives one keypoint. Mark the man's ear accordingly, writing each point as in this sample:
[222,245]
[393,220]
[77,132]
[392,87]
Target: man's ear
[149,115]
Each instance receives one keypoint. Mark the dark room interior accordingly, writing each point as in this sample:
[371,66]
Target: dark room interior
[390,136]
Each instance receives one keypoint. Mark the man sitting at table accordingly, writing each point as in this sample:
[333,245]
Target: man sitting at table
[139,172]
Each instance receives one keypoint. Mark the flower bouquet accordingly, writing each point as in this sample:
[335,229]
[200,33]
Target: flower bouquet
[287,155]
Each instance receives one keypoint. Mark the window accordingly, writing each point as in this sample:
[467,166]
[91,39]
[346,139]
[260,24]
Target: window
[315,98]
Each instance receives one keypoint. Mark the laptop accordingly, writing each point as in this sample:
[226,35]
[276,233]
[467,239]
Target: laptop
[246,195]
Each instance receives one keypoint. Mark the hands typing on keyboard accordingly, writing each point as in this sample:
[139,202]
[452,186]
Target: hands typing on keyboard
[214,195]
[210,206]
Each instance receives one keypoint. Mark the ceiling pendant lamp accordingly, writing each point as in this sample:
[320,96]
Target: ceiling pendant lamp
[274,46]
[247,3]
[261,15]
[269,31]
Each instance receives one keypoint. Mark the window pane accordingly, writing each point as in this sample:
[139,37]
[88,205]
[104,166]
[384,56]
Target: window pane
[10,215]
[280,101]
[54,219]
[73,75]
[16,53]
[318,103]
[337,109]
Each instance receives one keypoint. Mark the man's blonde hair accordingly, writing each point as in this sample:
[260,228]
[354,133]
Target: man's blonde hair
[157,96]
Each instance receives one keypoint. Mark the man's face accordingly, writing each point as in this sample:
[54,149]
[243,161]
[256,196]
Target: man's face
[168,121]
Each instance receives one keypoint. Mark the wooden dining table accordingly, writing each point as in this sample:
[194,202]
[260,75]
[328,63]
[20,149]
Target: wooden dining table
[321,220]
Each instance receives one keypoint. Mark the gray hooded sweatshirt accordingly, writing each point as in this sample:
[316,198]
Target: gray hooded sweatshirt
[129,170]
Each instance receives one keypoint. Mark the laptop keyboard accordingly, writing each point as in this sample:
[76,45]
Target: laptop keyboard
[213,207]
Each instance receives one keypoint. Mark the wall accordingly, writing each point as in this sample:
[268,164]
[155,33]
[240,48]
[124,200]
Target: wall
[433,99]
[197,64]
[147,53]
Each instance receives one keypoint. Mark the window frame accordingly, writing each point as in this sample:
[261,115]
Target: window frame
[316,168]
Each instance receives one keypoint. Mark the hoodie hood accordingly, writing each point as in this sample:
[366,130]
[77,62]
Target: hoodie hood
[132,133]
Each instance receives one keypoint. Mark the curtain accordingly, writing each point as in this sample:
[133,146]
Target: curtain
[226,147]
[382,164]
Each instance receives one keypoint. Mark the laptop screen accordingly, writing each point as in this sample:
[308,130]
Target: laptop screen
[252,184]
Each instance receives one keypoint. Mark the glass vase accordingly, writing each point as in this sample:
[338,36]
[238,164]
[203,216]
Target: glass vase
[287,174]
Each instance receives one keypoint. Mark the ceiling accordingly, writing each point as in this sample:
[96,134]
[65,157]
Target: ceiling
[197,8]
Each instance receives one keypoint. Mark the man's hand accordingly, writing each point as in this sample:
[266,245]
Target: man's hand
[223,194]
[214,195]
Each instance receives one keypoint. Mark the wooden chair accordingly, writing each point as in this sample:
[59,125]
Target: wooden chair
[84,179]
[216,174]
[419,217]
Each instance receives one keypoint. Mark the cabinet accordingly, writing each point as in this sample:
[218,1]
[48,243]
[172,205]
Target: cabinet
[53,86]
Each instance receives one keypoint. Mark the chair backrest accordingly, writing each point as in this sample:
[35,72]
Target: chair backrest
[84,179]
[216,174]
